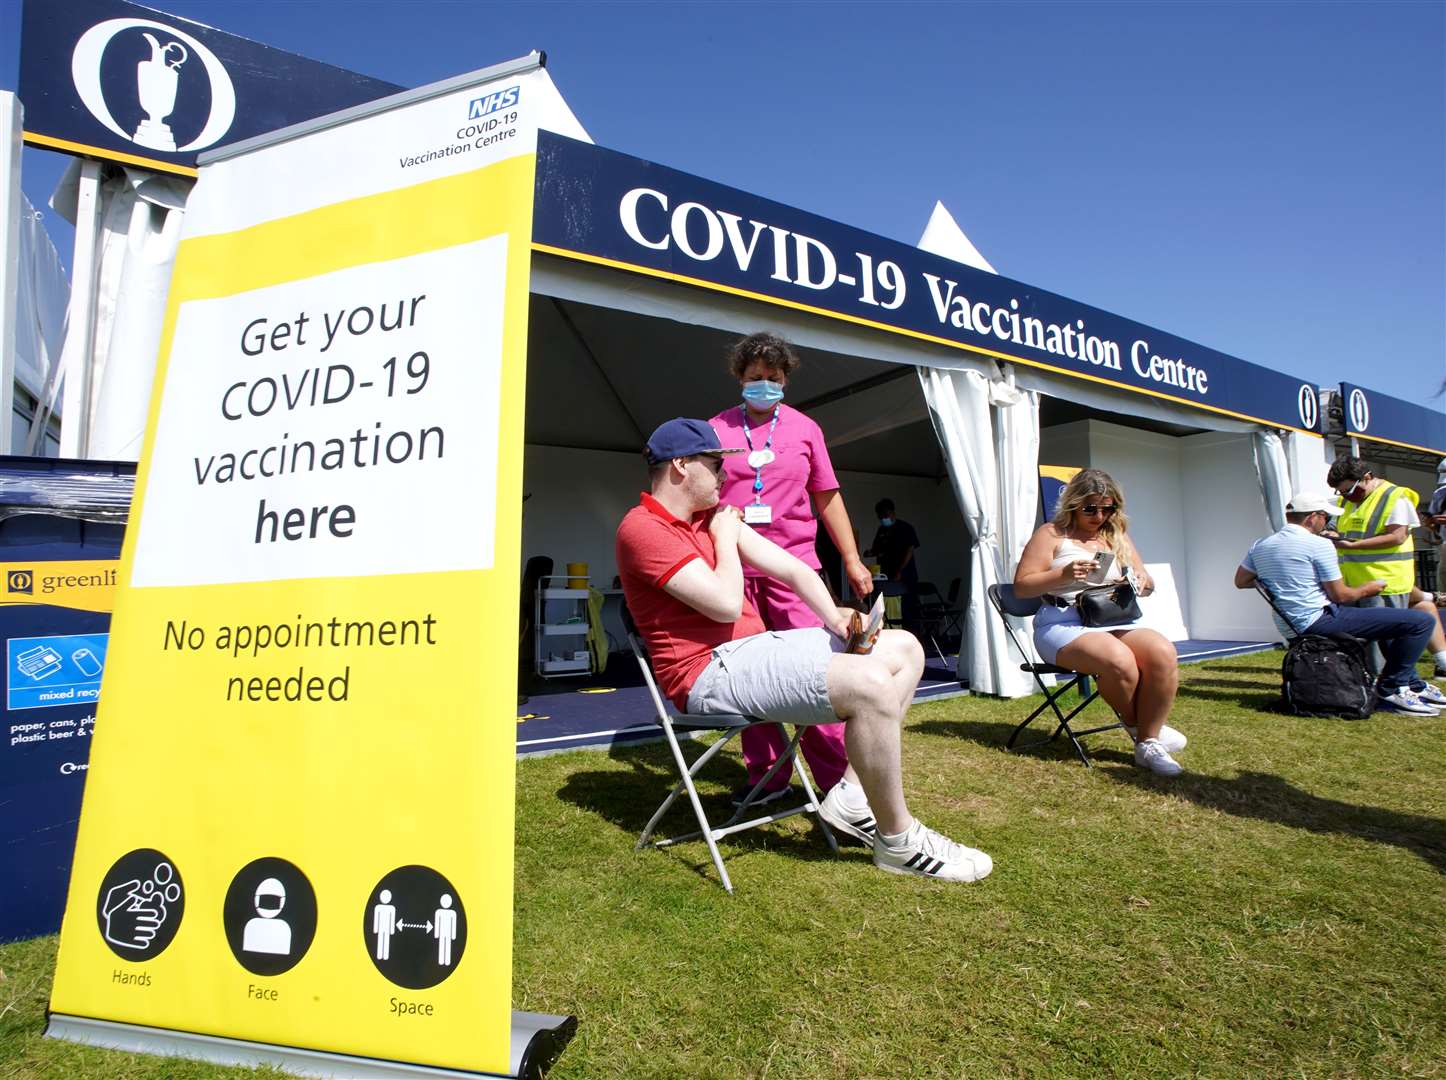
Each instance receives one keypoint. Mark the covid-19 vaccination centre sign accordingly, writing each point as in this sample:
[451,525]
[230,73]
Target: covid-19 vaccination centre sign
[301,851]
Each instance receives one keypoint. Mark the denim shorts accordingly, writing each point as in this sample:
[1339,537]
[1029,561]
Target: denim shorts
[1056,627]
[777,675]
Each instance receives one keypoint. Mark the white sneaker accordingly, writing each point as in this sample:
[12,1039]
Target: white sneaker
[1432,695]
[1151,754]
[858,824]
[1404,700]
[1173,741]
[929,854]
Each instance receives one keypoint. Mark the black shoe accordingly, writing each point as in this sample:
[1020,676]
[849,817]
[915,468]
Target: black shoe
[764,797]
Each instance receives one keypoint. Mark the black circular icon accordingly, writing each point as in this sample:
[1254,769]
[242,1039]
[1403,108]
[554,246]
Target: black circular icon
[270,916]
[140,905]
[414,927]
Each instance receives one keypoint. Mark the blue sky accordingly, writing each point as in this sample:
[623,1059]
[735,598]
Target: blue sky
[1267,179]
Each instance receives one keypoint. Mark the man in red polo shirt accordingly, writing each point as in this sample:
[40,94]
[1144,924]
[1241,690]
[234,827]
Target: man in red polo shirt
[681,560]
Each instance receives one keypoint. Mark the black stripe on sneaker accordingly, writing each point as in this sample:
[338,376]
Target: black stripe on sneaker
[915,858]
[864,825]
[935,868]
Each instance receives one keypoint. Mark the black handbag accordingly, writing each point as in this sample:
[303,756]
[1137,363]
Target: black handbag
[1108,605]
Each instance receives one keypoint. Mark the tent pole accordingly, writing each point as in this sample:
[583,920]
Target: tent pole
[75,416]
[11,126]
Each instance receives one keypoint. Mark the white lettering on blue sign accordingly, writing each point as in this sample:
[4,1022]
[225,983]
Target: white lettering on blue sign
[501,99]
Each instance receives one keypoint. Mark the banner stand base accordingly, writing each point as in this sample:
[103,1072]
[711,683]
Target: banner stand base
[537,1041]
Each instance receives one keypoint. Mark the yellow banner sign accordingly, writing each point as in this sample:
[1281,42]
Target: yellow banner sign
[297,829]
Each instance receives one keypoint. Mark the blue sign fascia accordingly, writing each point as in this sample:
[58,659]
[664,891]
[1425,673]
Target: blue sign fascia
[1372,415]
[109,79]
[606,207]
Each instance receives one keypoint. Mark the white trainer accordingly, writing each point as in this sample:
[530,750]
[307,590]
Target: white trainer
[1406,700]
[842,818]
[924,852]
[1151,754]
[1173,741]
[1432,695]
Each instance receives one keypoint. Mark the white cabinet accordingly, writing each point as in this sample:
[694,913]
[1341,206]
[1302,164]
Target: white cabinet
[560,618]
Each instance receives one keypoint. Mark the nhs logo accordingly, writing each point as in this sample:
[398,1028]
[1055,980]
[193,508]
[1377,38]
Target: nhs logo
[502,99]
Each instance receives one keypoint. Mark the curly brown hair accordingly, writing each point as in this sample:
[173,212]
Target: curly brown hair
[776,354]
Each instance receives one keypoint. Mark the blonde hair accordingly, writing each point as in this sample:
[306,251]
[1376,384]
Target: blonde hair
[1093,484]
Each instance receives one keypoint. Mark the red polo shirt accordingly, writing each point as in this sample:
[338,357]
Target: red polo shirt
[652,546]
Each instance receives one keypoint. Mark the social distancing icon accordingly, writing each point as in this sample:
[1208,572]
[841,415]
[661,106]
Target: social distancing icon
[269,916]
[415,927]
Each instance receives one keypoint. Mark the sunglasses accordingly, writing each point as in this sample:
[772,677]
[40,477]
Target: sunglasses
[713,461]
[1091,509]
[1350,491]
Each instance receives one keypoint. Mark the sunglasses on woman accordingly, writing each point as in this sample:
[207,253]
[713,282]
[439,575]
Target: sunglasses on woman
[1091,509]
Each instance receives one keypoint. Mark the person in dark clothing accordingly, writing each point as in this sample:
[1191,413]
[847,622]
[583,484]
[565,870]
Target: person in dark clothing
[894,545]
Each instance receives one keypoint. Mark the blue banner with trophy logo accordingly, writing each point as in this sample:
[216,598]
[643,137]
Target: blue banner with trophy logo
[1371,415]
[605,207]
[108,79]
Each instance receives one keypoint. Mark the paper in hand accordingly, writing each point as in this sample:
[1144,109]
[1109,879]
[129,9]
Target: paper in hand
[864,632]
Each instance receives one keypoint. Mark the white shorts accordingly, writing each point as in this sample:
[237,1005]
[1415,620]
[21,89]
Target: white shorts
[776,675]
[1056,627]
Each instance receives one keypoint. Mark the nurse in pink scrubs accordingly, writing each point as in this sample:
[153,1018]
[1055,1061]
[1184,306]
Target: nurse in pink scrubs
[786,463]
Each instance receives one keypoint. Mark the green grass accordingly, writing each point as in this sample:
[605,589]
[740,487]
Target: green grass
[1275,912]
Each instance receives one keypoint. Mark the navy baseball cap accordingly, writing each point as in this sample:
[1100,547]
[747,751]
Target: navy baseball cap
[683,438]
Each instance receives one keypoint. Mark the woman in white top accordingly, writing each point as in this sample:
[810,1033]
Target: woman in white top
[1137,670]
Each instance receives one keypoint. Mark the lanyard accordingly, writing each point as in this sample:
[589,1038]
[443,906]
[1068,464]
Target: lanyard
[748,437]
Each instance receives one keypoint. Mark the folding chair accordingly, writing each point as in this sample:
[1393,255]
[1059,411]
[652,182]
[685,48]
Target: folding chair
[1290,633]
[729,724]
[1005,603]
[933,615]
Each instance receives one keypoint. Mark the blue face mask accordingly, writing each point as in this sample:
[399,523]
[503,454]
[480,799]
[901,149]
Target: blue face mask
[886,522]
[762,393]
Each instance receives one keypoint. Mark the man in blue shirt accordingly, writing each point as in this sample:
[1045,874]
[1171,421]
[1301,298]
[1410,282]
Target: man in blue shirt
[1300,569]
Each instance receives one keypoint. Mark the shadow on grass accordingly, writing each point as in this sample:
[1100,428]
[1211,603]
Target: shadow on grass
[1266,797]
[628,799]
[1242,694]
[996,735]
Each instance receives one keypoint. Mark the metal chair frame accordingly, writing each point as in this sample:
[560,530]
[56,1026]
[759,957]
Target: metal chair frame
[730,724]
[1006,604]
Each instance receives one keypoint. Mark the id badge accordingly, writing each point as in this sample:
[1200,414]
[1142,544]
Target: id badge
[758,514]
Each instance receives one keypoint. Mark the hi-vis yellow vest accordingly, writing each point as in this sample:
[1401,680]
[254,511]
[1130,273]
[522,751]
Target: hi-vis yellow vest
[1396,566]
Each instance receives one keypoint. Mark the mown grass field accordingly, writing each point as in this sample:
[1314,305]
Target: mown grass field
[1278,911]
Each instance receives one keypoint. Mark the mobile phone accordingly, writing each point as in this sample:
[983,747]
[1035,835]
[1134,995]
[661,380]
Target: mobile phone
[1098,575]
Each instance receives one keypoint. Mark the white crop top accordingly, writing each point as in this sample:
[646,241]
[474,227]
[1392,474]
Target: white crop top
[1069,551]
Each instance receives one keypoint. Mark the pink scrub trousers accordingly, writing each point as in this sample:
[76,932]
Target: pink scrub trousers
[822,744]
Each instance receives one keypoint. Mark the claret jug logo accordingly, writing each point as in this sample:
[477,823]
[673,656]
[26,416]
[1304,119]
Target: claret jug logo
[1360,411]
[20,581]
[153,85]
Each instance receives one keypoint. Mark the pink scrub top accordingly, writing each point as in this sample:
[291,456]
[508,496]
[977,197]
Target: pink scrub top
[800,467]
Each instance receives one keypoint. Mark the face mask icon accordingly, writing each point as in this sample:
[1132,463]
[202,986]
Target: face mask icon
[268,932]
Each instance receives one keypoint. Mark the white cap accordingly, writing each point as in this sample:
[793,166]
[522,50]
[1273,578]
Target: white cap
[1308,502]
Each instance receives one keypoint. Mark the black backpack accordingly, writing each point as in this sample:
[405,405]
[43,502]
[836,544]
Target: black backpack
[1328,676]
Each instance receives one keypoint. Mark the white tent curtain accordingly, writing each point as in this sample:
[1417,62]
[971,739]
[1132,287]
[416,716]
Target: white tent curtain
[43,293]
[989,431]
[1273,472]
[141,215]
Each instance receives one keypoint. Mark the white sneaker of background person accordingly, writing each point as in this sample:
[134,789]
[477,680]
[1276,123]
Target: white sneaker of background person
[1173,741]
[1405,700]
[1151,754]
[1431,695]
